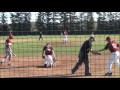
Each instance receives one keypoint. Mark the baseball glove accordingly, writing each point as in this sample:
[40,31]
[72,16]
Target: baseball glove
[54,60]
[96,52]
[43,57]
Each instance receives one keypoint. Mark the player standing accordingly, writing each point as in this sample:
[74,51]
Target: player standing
[48,54]
[114,49]
[83,56]
[8,50]
[92,35]
[40,36]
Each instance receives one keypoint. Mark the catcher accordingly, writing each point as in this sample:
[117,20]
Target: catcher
[49,55]
[8,50]
[83,56]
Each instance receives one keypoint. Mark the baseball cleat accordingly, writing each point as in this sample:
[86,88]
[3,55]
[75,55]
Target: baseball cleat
[87,74]
[108,74]
[51,66]
[73,71]
[10,64]
[45,65]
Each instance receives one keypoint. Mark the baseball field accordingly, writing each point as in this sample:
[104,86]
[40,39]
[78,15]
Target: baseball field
[29,62]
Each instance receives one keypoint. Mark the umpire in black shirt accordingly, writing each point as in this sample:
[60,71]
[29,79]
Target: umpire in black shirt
[83,56]
[40,36]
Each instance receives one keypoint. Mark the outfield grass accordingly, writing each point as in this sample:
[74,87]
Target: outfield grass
[34,47]
[53,36]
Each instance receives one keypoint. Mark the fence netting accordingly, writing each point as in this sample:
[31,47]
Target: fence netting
[34,33]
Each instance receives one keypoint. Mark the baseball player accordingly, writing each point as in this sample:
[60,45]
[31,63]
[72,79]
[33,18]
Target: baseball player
[114,49]
[8,50]
[65,39]
[92,35]
[48,54]
[83,56]
[40,36]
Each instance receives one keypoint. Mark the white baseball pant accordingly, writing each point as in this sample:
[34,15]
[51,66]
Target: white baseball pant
[114,57]
[65,38]
[8,53]
[49,60]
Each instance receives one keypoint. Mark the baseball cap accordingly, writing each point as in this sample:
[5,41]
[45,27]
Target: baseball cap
[92,38]
[48,44]
[108,38]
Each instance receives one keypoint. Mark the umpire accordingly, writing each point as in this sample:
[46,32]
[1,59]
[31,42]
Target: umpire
[83,56]
[40,36]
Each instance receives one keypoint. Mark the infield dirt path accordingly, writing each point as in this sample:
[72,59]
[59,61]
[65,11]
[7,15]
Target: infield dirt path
[33,66]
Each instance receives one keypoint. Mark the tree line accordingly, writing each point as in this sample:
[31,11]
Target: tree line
[21,21]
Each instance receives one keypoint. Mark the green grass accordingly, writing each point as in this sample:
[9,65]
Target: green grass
[53,36]
[34,47]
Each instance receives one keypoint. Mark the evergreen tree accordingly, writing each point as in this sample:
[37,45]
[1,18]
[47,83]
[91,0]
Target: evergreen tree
[4,25]
[21,21]
[40,23]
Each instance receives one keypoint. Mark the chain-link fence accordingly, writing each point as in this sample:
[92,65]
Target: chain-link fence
[27,47]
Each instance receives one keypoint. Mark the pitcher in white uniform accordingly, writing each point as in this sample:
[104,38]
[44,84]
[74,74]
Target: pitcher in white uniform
[65,39]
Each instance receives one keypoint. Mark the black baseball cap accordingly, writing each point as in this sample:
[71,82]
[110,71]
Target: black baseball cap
[92,38]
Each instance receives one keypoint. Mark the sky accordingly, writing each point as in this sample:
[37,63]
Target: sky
[34,16]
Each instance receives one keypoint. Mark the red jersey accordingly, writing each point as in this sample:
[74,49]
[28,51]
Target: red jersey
[112,46]
[48,50]
[65,33]
[7,43]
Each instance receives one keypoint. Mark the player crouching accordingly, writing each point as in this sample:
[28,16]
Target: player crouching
[8,50]
[49,55]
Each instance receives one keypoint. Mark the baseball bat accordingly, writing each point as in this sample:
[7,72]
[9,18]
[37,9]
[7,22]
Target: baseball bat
[13,53]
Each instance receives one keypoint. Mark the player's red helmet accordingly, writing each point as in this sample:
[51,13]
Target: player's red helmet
[108,39]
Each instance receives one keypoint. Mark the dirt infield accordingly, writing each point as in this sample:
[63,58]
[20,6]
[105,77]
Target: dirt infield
[33,66]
